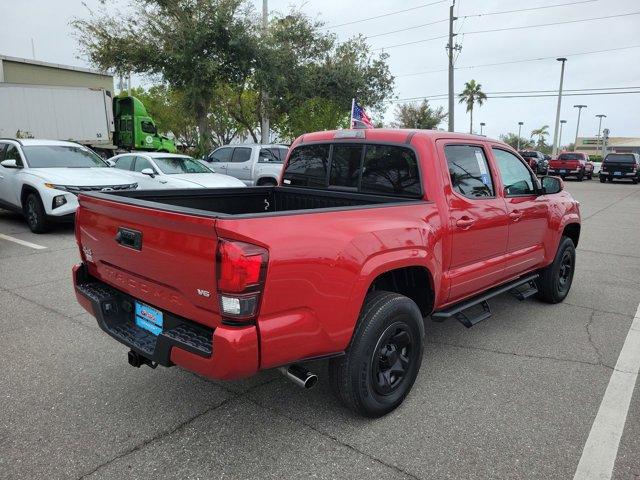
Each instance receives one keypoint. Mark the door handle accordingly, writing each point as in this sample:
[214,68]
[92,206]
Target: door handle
[515,215]
[465,222]
[245,168]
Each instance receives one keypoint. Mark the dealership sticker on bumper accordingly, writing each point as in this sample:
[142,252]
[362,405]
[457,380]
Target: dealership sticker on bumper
[149,318]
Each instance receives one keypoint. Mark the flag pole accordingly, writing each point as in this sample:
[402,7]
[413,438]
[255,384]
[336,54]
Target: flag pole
[353,104]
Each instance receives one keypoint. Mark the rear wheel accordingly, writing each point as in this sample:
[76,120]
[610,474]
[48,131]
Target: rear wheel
[602,179]
[382,362]
[35,214]
[635,181]
[555,280]
[580,176]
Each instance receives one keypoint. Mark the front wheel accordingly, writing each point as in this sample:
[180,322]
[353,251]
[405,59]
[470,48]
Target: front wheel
[555,280]
[382,362]
[602,179]
[35,214]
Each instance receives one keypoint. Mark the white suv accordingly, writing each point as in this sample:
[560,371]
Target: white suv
[41,178]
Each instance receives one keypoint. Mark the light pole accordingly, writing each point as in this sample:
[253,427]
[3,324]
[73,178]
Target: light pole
[600,116]
[555,130]
[562,122]
[265,128]
[579,107]
[482,124]
[519,130]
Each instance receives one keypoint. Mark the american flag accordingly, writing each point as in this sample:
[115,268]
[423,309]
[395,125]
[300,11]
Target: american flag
[359,118]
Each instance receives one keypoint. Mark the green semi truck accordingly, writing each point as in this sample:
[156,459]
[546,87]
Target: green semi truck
[89,116]
[135,129]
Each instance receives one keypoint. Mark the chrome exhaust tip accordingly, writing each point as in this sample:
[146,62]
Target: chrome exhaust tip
[299,375]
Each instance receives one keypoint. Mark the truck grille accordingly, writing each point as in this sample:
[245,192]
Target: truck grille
[100,188]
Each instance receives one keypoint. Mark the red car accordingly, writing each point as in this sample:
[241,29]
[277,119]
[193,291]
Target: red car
[572,164]
[368,232]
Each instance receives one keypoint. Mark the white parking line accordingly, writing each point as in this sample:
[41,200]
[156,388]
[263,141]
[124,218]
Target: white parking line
[22,242]
[600,451]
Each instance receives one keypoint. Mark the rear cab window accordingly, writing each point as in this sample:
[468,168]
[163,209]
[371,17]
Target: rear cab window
[364,168]
[620,158]
[571,156]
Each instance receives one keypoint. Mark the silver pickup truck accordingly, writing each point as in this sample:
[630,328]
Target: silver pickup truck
[253,164]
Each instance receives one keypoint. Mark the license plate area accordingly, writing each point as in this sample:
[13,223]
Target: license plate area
[148,318]
[563,170]
[617,173]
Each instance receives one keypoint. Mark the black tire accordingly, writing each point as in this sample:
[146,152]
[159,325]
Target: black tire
[555,280]
[635,181]
[590,176]
[389,333]
[602,179]
[580,176]
[267,182]
[35,214]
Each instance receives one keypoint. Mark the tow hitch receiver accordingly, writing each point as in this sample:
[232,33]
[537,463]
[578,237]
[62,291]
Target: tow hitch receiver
[137,360]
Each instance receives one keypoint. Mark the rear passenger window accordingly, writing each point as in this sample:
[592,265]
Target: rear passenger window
[308,166]
[469,171]
[390,170]
[516,177]
[345,166]
[241,155]
[124,163]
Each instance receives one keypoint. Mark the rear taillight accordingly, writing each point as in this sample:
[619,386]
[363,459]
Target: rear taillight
[241,271]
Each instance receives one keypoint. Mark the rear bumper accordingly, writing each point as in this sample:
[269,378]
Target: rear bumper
[556,171]
[622,174]
[224,353]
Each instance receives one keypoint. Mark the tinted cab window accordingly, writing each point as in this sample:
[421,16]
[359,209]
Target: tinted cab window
[308,166]
[469,171]
[221,155]
[241,155]
[516,177]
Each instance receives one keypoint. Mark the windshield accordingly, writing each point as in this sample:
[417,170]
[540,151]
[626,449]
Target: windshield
[620,158]
[175,165]
[570,156]
[56,156]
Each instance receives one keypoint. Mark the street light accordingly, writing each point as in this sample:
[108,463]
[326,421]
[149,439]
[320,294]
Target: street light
[579,107]
[562,122]
[555,131]
[600,116]
[482,124]
[519,129]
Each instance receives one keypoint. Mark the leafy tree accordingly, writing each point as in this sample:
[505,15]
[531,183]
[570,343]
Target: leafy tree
[418,115]
[472,95]
[512,140]
[193,45]
[541,133]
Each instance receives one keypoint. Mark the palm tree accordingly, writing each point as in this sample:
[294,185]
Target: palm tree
[541,133]
[471,95]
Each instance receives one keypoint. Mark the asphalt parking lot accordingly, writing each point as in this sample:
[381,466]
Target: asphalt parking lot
[514,397]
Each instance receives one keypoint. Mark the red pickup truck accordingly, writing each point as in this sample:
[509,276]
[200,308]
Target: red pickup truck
[572,164]
[368,233]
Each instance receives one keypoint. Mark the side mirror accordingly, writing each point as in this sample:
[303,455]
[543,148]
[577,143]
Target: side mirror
[148,171]
[9,163]
[551,185]
[110,162]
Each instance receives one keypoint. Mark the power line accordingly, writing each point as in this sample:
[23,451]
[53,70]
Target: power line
[551,24]
[387,14]
[412,43]
[527,9]
[520,61]
[406,29]
[510,28]
[463,17]
[526,94]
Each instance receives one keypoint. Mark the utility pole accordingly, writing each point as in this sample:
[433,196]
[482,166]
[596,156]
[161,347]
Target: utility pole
[555,131]
[579,107]
[451,47]
[562,122]
[33,49]
[601,116]
[605,138]
[264,124]
[519,130]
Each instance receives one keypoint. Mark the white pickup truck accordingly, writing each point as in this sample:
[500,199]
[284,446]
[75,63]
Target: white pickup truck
[253,164]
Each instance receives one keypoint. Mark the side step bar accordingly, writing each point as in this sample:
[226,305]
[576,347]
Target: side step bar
[468,320]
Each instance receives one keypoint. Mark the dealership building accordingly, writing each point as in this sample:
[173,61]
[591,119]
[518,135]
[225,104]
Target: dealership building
[589,145]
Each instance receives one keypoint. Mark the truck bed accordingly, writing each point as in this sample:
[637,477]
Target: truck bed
[249,202]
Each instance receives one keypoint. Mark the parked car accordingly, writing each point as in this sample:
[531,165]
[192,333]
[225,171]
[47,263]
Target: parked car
[620,166]
[42,178]
[369,232]
[157,170]
[572,164]
[253,164]
[537,160]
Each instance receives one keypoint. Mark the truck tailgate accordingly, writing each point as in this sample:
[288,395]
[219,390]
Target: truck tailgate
[162,258]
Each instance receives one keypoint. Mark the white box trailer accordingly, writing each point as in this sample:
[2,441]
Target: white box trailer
[83,115]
